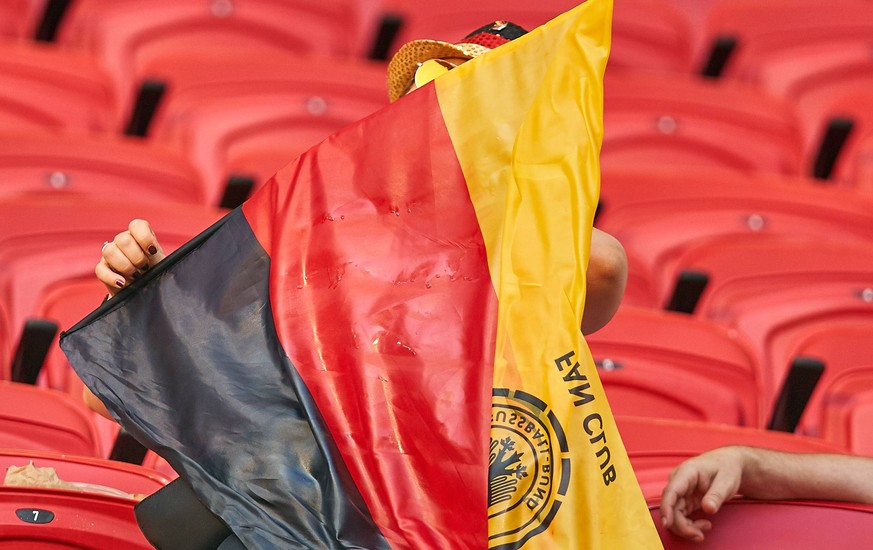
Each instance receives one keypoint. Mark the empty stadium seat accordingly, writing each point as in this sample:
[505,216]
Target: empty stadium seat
[658,213]
[846,349]
[66,302]
[107,166]
[765,525]
[236,117]
[820,79]
[668,365]
[772,316]
[759,28]
[783,259]
[43,419]
[57,519]
[849,115]
[125,35]
[42,87]
[682,120]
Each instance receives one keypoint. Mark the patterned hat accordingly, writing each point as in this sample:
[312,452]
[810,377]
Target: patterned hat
[405,62]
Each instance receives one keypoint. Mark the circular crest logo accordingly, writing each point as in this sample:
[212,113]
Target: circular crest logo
[529,468]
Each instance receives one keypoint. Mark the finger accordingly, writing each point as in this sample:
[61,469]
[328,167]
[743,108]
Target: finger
[112,280]
[678,487]
[723,486]
[144,235]
[687,528]
[127,245]
[668,503]
[117,259]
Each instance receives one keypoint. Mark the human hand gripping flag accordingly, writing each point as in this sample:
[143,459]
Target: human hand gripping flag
[381,348]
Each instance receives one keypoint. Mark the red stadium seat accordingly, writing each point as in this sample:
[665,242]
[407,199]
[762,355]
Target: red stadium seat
[668,365]
[847,410]
[846,349]
[126,35]
[238,117]
[57,519]
[658,213]
[854,106]
[647,34]
[640,289]
[19,18]
[783,259]
[42,87]
[44,419]
[761,28]
[862,166]
[656,445]
[765,525]
[682,120]
[90,165]
[773,315]
[50,237]
[820,79]
[66,302]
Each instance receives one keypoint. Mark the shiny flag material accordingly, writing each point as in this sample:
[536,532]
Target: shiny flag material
[381,348]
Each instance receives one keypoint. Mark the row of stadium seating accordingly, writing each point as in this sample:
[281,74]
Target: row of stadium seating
[744,201]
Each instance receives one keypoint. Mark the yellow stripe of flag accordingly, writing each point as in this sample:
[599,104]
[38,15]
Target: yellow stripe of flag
[559,475]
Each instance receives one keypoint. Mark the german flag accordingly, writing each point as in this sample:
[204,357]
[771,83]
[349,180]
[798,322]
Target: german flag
[381,348]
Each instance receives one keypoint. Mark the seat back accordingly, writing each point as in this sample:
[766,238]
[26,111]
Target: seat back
[41,87]
[784,259]
[235,117]
[43,419]
[126,34]
[105,165]
[663,364]
[773,314]
[761,28]
[685,121]
[47,519]
[764,525]
[658,214]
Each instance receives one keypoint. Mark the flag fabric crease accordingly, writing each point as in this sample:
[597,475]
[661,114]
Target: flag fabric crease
[381,348]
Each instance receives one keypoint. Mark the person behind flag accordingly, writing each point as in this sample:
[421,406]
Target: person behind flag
[522,202]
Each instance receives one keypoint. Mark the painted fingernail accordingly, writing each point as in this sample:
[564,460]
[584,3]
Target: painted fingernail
[153,250]
[119,283]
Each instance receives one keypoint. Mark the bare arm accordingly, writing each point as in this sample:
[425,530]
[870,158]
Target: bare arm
[706,481]
[606,280]
[776,475]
